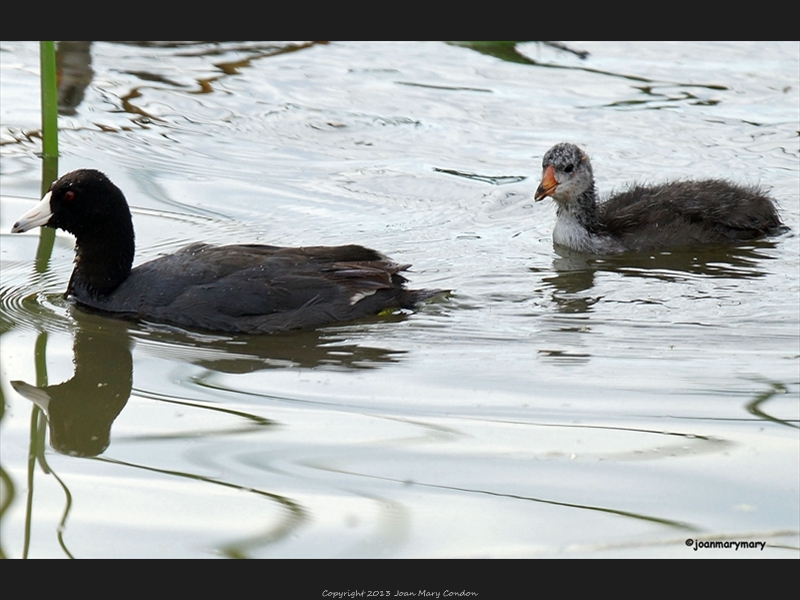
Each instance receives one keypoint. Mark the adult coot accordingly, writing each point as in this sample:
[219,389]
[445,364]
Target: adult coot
[669,215]
[239,288]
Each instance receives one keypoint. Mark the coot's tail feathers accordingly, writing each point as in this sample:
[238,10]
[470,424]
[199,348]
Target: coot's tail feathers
[744,234]
[778,230]
[373,280]
[394,298]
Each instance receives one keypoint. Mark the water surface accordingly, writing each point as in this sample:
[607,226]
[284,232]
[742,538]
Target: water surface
[550,406]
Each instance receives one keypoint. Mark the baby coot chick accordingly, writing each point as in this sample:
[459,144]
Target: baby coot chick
[668,215]
[239,288]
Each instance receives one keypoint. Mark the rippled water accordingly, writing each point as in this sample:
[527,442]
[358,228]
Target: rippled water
[549,405]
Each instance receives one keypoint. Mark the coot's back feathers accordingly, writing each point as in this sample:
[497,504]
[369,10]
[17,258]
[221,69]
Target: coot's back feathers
[259,289]
[239,288]
[689,213]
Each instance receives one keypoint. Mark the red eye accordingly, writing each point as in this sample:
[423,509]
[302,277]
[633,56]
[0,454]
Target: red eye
[69,195]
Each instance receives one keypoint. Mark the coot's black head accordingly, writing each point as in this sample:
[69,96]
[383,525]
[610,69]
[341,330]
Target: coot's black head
[83,202]
[86,204]
[566,173]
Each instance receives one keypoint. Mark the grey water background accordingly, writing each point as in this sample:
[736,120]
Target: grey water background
[550,406]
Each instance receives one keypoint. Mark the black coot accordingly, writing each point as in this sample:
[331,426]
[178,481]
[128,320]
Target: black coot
[239,288]
[669,215]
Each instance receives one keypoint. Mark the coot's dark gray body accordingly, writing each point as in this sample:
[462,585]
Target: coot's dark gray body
[239,288]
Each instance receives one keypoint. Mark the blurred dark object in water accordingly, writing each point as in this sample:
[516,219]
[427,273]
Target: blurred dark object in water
[508,50]
[74,67]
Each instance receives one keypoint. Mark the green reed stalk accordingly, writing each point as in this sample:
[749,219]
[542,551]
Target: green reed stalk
[47,60]
[47,76]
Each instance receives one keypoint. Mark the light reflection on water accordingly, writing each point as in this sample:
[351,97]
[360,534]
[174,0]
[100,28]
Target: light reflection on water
[551,405]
